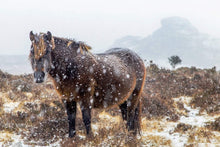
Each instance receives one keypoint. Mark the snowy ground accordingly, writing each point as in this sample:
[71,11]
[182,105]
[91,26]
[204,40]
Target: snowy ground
[191,118]
[189,129]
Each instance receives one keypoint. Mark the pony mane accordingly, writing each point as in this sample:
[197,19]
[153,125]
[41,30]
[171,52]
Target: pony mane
[84,46]
[68,42]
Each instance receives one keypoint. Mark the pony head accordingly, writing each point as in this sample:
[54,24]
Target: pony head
[40,54]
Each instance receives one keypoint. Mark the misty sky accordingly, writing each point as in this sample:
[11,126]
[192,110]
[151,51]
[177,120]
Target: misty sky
[97,22]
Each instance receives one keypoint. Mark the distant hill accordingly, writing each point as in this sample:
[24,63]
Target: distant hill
[177,36]
[15,64]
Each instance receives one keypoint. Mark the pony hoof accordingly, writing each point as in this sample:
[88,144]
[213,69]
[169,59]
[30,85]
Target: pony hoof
[72,134]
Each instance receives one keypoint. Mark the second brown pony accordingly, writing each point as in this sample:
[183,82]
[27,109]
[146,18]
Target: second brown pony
[113,78]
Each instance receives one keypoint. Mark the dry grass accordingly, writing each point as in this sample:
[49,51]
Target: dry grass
[39,117]
[215,125]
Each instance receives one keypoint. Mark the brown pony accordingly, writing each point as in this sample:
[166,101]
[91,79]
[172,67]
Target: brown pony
[113,78]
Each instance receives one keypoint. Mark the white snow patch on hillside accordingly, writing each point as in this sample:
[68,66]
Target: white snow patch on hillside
[10,106]
[193,117]
[15,140]
[177,139]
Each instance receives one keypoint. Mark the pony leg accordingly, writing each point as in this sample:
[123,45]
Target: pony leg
[134,103]
[134,112]
[86,114]
[71,112]
[137,118]
[124,111]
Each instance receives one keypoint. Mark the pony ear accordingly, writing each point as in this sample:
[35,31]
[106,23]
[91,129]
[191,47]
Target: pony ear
[31,35]
[74,45]
[49,36]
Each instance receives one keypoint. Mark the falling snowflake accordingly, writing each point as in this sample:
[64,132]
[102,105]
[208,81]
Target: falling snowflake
[89,89]
[97,94]
[104,71]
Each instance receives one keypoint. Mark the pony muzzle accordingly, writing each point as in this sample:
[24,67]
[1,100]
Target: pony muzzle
[39,76]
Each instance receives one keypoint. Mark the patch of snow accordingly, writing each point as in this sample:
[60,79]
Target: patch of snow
[95,127]
[193,117]
[81,136]
[177,139]
[16,140]
[10,106]
[57,143]
[28,94]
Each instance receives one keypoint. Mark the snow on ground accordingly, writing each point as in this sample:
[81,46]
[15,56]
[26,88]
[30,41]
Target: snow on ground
[13,140]
[154,132]
[9,139]
[178,139]
[163,131]
[10,106]
[193,117]
[166,131]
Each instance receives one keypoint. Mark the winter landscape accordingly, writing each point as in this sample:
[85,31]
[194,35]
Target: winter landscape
[181,107]
[178,41]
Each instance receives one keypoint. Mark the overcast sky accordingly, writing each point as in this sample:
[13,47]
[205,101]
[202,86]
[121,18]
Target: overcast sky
[97,22]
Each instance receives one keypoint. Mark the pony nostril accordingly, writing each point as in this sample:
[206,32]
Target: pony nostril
[39,80]
[39,76]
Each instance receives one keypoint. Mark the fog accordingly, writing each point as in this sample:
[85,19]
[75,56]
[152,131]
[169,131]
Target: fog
[98,23]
